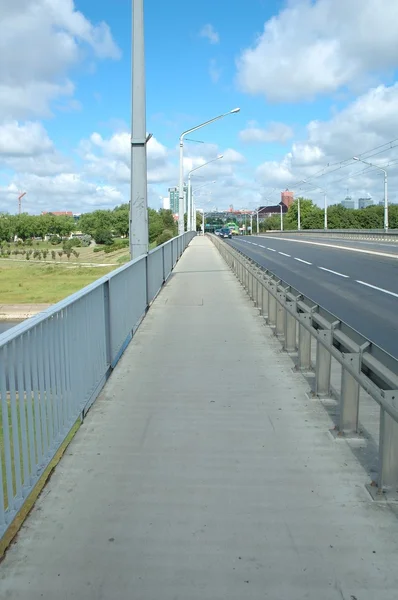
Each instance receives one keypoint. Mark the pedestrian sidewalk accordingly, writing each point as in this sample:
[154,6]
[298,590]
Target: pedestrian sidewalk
[203,472]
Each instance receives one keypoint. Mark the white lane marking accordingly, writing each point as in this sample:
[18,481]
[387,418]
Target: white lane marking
[334,272]
[379,289]
[260,246]
[254,244]
[272,249]
[284,254]
[302,260]
[360,250]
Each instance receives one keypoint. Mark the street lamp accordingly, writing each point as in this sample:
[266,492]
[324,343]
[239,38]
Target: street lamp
[385,188]
[190,220]
[181,227]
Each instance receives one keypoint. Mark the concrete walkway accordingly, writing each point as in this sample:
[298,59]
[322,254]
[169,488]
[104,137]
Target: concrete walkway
[204,473]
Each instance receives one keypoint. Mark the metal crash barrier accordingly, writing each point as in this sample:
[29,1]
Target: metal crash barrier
[297,321]
[54,365]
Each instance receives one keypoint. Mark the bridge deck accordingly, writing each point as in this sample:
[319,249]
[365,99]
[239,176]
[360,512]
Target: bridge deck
[203,472]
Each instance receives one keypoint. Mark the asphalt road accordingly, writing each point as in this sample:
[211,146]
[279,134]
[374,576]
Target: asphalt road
[356,282]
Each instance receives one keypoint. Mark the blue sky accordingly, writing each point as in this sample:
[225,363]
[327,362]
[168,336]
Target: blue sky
[315,81]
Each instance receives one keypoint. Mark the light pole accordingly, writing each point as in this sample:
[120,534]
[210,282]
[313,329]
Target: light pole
[138,217]
[385,188]
[181,227]
[281,203]
[190,203]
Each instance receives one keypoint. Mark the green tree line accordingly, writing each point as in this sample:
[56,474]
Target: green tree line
[339,217]
[101,225]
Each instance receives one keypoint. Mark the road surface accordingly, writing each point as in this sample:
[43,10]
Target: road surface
[355,280]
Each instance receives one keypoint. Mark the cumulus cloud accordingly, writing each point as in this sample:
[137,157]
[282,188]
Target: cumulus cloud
[368,122]
[210,34]
[40,41]
[317,47]
[275,132]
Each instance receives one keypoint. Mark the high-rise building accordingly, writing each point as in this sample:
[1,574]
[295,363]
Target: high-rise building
[348,202]
[365,202]
[287,198]
[174,193]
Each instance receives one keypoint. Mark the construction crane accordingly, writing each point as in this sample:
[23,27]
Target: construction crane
[20,202]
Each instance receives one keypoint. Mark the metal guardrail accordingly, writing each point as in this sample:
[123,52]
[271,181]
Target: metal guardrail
[297,320]
[353,234]
[53,366]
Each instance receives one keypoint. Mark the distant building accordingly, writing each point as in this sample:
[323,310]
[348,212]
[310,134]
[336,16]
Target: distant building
[365,202]
[175,200]
[287,198]
[348,202]
[58,213]
[264,212]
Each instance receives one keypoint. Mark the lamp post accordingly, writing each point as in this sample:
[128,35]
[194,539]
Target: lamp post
[190,203]
[138,217]
[181,186]
[281,204]
[385,188]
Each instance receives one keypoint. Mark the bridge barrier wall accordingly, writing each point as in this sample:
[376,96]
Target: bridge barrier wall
[53,366]
[376,235]
[298,321]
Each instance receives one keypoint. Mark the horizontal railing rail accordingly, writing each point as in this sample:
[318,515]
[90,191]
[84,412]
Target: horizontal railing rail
[53,366]
[376,234]
[297,320]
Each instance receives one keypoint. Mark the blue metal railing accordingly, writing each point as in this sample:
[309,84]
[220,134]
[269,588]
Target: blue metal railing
[53,366]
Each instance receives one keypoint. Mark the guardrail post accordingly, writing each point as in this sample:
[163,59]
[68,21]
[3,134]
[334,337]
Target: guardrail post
[323,364]
[388,447]
[349,396]
[107,318]
[272,304]
[280,314]
[264,298]
[259,296]
[290,328]
[304,345]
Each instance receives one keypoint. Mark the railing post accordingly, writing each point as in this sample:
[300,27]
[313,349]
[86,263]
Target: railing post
[349,396]
[280,314]
[290,328]
[264,297]
[388,447]
[164,266]
[272,303]
[107,318]
[259,296]
[304,345]
[323,364]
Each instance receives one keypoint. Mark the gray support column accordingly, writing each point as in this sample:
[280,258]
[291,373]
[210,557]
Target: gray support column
[280,314]
[388,447]
[304,345]
[272,304]
[349,396]
[290,328]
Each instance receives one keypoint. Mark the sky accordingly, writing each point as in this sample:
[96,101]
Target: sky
[316,82]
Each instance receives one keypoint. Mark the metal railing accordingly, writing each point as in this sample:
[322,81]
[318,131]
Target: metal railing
[353,234]
[53,366]
[299,322]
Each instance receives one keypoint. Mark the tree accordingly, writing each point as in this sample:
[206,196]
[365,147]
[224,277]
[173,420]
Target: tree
[103,236]
[290,220]
[120,219]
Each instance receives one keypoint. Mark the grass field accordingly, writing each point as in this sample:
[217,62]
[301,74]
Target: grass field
[30,283]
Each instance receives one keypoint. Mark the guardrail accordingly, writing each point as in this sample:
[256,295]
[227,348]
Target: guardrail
[354,234]
[53,366]
[297,320]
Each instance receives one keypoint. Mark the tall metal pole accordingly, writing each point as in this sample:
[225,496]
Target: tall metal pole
[258,229]
[138,220]
[281,218]
[189,200]
[325,202]
[251,223]
[298,214]
[386,224]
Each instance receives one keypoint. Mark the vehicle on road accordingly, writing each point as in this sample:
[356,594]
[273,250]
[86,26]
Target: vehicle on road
[217,231]
[225,232]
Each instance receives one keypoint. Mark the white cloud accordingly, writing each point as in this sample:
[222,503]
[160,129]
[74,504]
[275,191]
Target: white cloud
[23,140]
[40,41]
[275,132]
[368,122]
[317,47]
[210,34]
